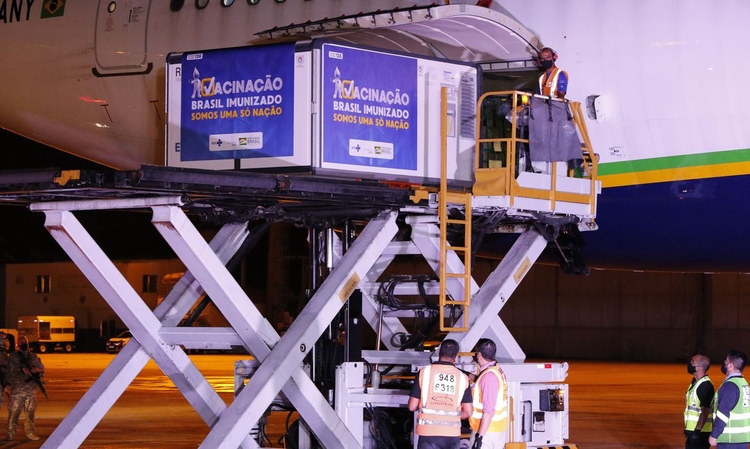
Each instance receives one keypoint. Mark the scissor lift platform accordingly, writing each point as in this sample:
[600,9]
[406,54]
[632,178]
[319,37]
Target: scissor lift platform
[515,202]
[157,336]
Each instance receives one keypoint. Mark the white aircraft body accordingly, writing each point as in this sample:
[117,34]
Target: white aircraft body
[662,81]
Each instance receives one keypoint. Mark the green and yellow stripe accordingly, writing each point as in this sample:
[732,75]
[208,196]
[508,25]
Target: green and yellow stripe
[675,168]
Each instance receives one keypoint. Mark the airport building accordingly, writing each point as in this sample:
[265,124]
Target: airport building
[608,315]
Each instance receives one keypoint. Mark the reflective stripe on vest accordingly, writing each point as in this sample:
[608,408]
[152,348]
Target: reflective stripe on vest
[499,421]
[439,413]
[550,87]
[737,429]
[693,407]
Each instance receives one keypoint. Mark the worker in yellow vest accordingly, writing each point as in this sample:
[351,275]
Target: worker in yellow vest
[698,400]
[731,426]
[489,420]
[442,398]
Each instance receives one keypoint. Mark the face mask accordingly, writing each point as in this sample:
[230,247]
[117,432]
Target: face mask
[724,368]
[547,64]
[23,347]
[690,368]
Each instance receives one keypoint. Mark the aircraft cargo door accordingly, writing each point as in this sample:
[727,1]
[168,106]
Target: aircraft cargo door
[121,29]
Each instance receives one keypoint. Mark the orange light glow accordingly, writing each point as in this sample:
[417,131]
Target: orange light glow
[92,100]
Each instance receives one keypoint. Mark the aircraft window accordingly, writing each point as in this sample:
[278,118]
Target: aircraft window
[111,7]
[253,2]
[176,5]
[200,4]
[227,2]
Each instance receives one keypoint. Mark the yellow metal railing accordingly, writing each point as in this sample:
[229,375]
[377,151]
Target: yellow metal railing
[456,307]
[497,152]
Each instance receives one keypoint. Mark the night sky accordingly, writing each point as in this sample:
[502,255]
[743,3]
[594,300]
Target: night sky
[23,237]
[19,152]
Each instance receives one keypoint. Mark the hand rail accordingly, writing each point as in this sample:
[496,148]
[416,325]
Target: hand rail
[498,157]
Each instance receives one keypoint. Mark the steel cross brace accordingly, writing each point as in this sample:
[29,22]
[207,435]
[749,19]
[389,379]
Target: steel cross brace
[145,327]
[252,329]
[300,337]
[371,308]
[486,304]
[390,325]
[488,300]
[279,367]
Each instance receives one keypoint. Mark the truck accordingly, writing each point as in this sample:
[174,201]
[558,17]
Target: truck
[48,333]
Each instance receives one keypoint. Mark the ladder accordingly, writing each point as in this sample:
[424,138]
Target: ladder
[457,319]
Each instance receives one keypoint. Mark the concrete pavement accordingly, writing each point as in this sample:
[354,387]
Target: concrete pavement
[613,405]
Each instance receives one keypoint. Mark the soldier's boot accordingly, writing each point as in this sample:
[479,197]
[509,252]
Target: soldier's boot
[29,428]
[11,433]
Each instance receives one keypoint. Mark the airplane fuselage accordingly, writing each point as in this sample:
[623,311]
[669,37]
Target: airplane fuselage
[667,115]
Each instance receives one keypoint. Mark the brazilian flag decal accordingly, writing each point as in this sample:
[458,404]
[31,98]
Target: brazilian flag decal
[53,8]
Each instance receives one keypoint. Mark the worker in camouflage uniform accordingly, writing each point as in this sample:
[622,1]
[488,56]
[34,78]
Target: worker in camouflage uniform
[3,360]
[23,372]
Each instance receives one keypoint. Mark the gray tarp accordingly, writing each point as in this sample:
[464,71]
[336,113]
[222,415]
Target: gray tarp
[555,140]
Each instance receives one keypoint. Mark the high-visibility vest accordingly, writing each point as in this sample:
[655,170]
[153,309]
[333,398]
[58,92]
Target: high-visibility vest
[693,407]
[439,412]
[499,421]
[548,84]
[737,428]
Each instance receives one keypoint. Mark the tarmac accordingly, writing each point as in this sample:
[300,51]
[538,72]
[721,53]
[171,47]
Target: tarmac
[612,405]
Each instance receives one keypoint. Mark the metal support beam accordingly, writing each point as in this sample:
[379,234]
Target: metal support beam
[108,204]
[496,290]
[215,338]
[287,355]
[252,328]
[498,287]
[145,327]
[385,326]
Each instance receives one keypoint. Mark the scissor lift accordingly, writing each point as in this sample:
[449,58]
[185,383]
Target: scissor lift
[538,394]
